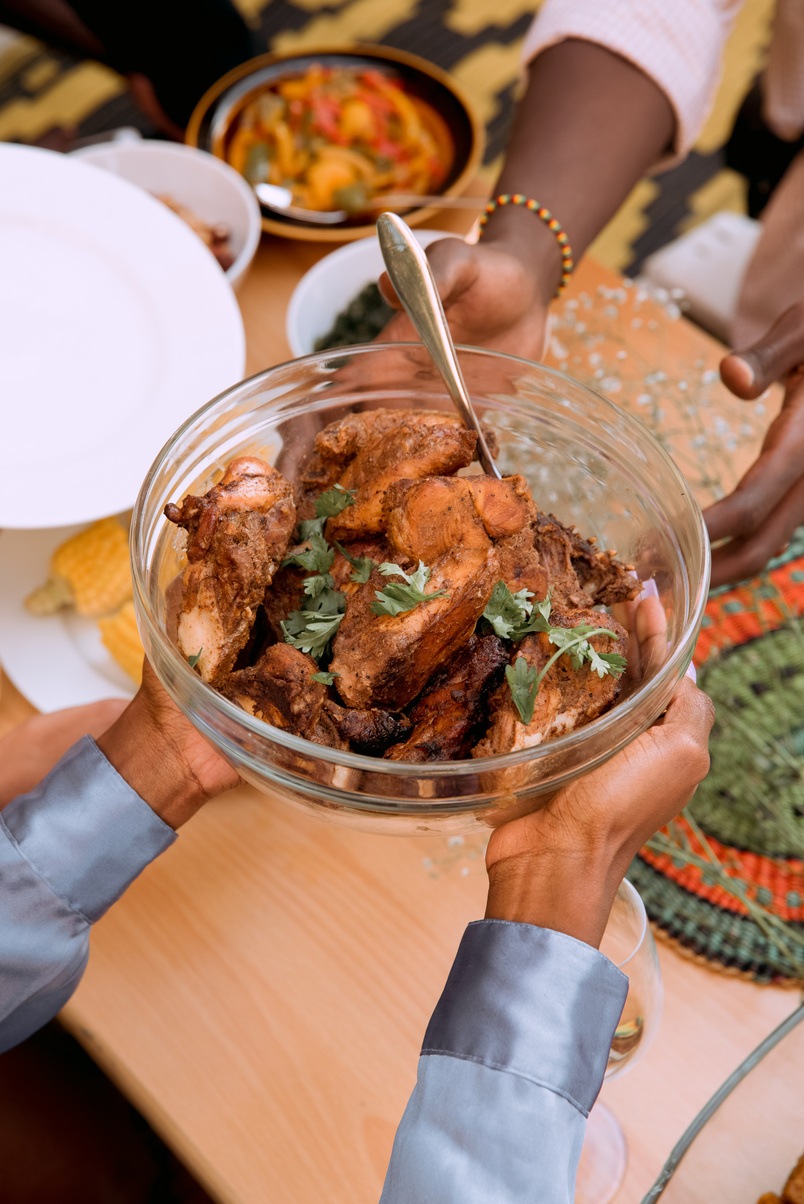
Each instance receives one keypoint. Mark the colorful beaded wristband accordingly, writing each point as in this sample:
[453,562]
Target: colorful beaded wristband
[552,223]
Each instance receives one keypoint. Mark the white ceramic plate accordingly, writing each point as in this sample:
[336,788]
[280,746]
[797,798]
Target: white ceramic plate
[116,324]
[58,661]
[329,286]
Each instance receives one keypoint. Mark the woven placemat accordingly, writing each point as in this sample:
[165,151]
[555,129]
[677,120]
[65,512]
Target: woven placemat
[725,882]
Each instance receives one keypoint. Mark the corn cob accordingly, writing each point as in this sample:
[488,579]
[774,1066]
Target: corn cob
[90,571]
[119,634]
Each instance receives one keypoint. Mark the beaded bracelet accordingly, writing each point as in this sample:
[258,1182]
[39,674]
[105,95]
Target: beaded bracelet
[552,223]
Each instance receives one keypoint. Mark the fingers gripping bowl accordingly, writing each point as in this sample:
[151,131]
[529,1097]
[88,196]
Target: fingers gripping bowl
[584,459]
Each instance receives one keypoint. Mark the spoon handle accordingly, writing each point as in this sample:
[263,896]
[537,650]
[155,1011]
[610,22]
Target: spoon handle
[410,274]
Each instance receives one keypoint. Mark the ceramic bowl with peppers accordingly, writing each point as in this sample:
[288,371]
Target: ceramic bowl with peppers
[339,129]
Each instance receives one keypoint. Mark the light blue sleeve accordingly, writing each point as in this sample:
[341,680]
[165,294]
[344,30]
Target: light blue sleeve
[68,850]
[512,1061]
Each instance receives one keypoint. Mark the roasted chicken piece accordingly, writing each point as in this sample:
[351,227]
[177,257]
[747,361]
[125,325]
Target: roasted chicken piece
[285,595]
[368,732]
[546,555]
[279,690]
[412,450]
[426,518]
[346,449]
[237,534]
[374,548]
[385,660]
[453,709]
[568,698]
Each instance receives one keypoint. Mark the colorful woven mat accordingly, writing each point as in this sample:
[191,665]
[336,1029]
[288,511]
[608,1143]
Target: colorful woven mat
[725,881]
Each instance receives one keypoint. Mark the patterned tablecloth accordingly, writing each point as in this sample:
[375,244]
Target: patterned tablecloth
[726,881]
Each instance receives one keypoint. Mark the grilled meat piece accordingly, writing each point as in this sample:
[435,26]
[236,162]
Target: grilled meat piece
[601,578]
[568,698]
[285,595]
[385,660]
[546,555]
[237,534]
[413,450]
[347,446]
[427,518]
[374,548]
[452,711]
[336,446]
[279,690]
[368,732]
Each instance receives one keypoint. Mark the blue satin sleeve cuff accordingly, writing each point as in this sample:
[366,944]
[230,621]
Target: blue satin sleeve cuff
[512,1062]
[68,850]
[530,1002]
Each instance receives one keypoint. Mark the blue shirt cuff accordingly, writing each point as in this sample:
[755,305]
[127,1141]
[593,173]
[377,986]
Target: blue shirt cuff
[84,831]
[531,1002]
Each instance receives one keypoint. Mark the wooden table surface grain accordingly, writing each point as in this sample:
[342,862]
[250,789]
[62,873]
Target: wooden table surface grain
[261,991]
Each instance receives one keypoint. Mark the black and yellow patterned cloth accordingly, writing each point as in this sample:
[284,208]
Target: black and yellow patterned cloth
[477,41]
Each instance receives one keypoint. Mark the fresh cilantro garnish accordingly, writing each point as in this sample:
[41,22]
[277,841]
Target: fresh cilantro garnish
[315,586]
[333,501]
[399,597]
[192,661]
[362,565]
[327,505]
[316,558]
[326,679]
[513,616]
[575,642]
[524,685]
[505,612]
[311,628]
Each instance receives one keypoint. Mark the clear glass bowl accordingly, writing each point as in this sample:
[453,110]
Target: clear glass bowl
[750,1135]
[586,460]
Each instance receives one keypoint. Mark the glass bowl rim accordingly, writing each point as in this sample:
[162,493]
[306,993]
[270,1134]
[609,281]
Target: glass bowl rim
[429,769]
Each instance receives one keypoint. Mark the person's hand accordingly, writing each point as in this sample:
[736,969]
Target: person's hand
[30,751]
[492,298]
[560,867]
[163,757]
[761,514]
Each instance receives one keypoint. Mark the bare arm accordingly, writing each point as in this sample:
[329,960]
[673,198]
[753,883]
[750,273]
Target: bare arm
[589,125]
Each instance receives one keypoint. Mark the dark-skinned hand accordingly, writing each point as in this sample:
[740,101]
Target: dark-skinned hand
[764,510]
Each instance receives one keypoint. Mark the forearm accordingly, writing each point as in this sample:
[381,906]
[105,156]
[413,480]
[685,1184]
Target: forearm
[588,127]
[143,749]
[570,893]
[68,850]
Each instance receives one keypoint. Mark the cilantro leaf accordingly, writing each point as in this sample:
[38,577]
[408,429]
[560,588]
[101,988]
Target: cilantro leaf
[315,586]
[327,505]
[311,631]
[524,683]
[397,598]
[333,501]
[192,661]
[326,679]
[317,558]
[505,611]
[362,565]
[311,628]
[608,662]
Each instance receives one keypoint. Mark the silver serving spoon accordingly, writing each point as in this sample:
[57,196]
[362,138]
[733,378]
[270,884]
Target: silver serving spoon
[410,274]
[280,199]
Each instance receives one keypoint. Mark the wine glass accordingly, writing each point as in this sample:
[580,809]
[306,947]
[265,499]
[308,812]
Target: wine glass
[628,943]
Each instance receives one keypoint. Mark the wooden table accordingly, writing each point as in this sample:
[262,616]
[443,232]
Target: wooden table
[262,990]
